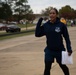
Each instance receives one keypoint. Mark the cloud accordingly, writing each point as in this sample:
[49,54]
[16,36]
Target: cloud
[38,5]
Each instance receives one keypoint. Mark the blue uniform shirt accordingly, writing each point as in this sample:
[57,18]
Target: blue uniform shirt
[54,33]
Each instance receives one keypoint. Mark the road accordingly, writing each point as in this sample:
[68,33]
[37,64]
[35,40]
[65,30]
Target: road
[25,55]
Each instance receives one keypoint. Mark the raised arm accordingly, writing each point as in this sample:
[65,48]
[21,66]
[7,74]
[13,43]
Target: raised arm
[39,28]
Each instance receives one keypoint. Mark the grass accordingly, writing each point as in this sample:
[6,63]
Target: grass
[25,25]
[4,35]
[18,34]
[68,24]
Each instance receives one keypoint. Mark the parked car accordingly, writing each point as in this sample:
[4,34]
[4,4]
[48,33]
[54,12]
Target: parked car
[3,26]
[13,28]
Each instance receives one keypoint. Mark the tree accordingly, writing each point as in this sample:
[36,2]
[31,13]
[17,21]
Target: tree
[46,11]
[5,11]
[30,17]
[21,8]
[66,12]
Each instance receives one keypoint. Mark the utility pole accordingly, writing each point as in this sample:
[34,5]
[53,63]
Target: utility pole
[0,3]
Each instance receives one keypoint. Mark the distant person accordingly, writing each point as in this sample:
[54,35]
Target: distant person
[54,30]
[74,22]
[63,20]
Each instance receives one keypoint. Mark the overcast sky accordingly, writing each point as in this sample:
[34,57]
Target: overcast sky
[38,5]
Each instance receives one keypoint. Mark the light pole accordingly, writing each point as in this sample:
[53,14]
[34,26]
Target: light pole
[0,3]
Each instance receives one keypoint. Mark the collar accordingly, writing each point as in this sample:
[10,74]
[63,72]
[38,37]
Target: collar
[57,21]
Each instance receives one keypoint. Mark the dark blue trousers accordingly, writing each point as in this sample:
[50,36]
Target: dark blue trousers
[49,59]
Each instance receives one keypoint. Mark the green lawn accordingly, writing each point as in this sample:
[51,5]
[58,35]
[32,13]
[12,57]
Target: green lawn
[25,25]
[4,35]
[16,34]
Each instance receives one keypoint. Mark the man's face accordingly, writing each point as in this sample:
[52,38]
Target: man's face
[53,15]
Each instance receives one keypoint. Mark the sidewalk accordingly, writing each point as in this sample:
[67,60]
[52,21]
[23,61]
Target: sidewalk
[25,56]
